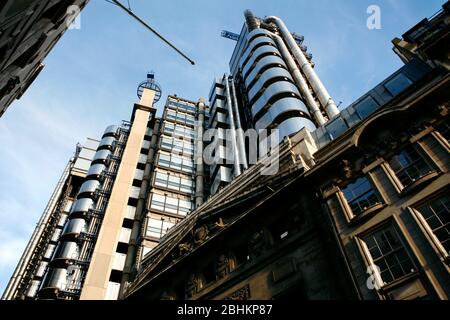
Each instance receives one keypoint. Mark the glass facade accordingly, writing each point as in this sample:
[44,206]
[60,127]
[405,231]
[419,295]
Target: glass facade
[170,181]
[173,182]
[157,228]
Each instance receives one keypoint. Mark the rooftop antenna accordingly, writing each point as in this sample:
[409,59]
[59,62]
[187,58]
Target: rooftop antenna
[127,10]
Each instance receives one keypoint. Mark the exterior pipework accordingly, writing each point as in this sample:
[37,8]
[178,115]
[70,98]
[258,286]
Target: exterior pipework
[240,137]
[237,167]
[316,84]
[250,20]
[139,216]
[31,246]
[300,81]
[68,249]
[200,172]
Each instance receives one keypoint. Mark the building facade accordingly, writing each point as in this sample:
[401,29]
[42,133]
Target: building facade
[34,263]
[360,206]
[357,209]
[28,31]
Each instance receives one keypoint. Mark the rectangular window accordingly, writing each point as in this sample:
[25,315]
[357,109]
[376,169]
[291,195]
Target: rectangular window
[336,128]
[409,166]
[366,107]
[437,215]
[389,254]
[170,205]
[158,202]
[398,84]
[360,195]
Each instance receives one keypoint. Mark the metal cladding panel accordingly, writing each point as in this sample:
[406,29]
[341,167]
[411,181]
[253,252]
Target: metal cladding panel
[67,250]
[294,125]
[101,155]
[89,186]
[277,109]
[223,175]
[266,76]
[264,62]
[272,90]
[258,31]
[250,64]
[56,278]
[82,205]
[111,130]
[252,45]
[96,169]
[107,142]
[75,226]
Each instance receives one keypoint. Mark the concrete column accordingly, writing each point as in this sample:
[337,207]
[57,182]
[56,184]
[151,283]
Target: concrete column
[140,214]
[97,278]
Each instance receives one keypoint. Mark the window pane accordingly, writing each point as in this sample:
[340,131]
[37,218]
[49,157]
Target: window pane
[437,215]
[360,195]
[389,254]
[398,84]
[336,128]
[366,107]
[409,166]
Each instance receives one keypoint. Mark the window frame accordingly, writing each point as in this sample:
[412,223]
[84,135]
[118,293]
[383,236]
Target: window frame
[426,228]
[369,260]
[350,216]
[395,179]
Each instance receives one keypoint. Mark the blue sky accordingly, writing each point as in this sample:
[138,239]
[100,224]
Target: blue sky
[91,76]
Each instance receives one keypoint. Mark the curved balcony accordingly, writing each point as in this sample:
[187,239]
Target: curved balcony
[255,43]
[263,64]
[259,54]
[111,131]
[294,125]
[281,88]
[101,156]
[95,171]
[107,143]
[285,106]
[266,77]
[251,36]
[88,189]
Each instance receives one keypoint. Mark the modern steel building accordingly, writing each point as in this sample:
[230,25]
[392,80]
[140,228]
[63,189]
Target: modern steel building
[272,85]
[358,208]
[139,180]
[28,31]
[34,263]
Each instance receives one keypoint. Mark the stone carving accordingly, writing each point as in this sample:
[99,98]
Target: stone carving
[256,244]
[193,285]
[240,294]
[200,234]
[346,168]
[184,247]
[223,266]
